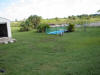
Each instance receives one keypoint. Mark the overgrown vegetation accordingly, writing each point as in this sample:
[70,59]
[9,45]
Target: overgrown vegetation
[71,27]
[42,27]
[30,23]
[34,20]
[25,26]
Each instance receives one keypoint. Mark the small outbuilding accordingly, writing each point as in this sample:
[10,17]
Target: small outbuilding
[5,31]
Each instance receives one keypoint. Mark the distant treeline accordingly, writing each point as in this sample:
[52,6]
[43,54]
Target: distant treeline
[79,19]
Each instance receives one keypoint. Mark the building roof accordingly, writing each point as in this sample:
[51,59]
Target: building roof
[4,18]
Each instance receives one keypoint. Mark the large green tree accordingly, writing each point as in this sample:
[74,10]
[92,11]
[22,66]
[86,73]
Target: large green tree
[34,20]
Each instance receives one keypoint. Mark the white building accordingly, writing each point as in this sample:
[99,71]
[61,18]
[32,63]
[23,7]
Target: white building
[5,29]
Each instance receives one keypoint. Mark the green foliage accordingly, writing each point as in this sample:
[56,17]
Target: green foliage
[34,20]
[72,17]
[42,27]
[25,26]
[54,21]
[79,19]
[76,53]
[57,19]
[15,24]
[30,23]
[71,27]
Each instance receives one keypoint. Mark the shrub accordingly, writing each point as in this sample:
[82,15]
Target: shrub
[24,26]
[71,27]
[42,27]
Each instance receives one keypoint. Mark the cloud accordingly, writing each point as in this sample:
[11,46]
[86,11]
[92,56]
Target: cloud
[21,9]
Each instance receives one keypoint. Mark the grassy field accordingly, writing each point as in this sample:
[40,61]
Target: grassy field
[76,53]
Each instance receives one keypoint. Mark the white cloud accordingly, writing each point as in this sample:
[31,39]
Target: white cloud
[49,8]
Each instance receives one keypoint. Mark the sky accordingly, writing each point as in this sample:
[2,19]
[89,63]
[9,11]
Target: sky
[22,9]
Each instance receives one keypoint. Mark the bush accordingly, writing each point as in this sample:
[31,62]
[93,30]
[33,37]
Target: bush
[71,27]
[24,26]
[42,27]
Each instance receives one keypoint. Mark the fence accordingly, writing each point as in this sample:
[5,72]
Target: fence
[56,29]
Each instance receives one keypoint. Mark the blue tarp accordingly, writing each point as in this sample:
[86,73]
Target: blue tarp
[56,32]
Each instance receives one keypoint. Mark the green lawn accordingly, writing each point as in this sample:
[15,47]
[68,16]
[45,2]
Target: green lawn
[76,53]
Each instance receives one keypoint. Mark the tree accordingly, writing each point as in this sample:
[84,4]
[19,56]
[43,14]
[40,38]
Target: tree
[69,17]
[34,20]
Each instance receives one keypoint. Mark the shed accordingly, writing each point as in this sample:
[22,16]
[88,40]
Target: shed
[5,29]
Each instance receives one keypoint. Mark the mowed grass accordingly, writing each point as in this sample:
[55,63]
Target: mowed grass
[76,53]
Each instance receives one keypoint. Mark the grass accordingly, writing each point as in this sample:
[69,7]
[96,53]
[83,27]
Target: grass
[76,53]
